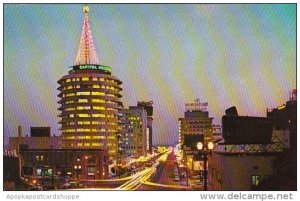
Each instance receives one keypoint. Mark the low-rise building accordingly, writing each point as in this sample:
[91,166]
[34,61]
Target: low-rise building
[75,163]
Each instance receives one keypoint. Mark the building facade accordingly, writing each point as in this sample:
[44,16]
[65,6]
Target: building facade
[245,161]
[38,139]
[285,127]
[148,106]
[90,100]
[134,134]
[75,163]
[195,126]
[238,172]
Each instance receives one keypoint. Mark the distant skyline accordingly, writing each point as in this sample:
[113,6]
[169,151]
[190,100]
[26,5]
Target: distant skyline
[224,54]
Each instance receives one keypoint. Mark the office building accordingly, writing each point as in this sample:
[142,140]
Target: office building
[148,106]
[195,126]
[90,100]
[134,134]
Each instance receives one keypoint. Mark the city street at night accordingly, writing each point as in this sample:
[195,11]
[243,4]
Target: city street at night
[149,97]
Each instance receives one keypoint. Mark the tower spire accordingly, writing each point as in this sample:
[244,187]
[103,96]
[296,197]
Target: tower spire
[87,52]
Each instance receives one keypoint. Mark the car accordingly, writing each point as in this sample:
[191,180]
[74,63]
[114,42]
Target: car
[36,188]
[66,185]
[70,185]
[198,181]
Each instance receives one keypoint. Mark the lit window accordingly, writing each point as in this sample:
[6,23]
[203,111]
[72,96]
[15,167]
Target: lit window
[101,79]
[68,102]
[72,115]
[70,87]
[82,100]
[83,107]
[70,130]
[255,180]
[95,79]
[87,144]
[71,94]
[77,79]
[98,108]
[98,137]
[85,79]
[83,130]
[98,115]
[79,144]
[96,86]
[68,80]
[83,93]
[83,115]
[96,93]
[98,101]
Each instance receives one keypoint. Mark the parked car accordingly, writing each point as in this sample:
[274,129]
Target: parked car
[71,184]
[66,185]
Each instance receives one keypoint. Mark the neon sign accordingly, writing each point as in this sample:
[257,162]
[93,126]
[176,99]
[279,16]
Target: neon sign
[92,67]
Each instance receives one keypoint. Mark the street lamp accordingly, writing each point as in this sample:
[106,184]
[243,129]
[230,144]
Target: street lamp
[77,170]
[205,150]
[52,166]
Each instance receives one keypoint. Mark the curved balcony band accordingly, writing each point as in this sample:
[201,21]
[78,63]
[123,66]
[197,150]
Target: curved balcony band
[79,127]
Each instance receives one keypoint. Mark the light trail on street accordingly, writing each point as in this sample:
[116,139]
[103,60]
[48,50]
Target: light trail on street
[141,178]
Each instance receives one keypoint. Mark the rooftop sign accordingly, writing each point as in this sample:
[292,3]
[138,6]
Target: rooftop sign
[92,67]
[197,105]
